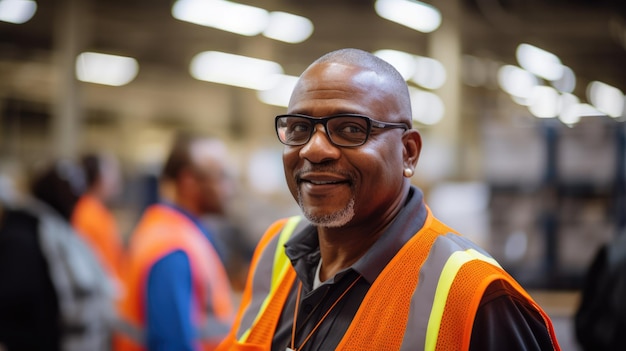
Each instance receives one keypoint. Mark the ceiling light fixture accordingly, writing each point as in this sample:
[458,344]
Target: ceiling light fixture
[98,68]
[280,93]
[606,98]
[235,70]
[416,15]
[288,28]
[224,15]
[17,11]
[539,62]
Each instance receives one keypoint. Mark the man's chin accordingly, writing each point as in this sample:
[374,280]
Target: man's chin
[328,219]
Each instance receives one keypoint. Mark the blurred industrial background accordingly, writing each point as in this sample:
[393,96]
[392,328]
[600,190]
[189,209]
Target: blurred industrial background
[520,104]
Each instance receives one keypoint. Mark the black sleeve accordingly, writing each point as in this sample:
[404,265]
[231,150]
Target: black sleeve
[505,321]
[29,315]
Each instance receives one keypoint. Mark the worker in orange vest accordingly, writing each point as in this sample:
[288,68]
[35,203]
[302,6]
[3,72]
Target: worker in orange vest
[370,267]
[92,217]
[178,294]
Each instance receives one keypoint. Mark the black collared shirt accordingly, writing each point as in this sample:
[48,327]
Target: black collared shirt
[518,325]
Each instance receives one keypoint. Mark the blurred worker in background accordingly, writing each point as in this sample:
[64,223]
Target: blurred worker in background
[93,219]
[54,294]
[370,268]
[178,293]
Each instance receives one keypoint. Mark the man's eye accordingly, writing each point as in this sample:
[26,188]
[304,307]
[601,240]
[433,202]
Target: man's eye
[300,127]
[350,129]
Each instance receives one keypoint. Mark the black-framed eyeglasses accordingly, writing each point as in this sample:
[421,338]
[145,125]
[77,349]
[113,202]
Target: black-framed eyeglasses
[344,130]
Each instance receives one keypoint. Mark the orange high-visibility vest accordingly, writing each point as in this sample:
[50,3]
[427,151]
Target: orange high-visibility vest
[96,224]
[438,279]
[161,231]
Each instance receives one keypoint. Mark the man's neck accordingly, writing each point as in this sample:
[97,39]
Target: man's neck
[340,249]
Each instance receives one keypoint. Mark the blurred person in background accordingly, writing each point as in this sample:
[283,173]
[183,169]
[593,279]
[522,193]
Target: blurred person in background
[370,268]
[178,292]
[93,219]
[54,294]
[600,318]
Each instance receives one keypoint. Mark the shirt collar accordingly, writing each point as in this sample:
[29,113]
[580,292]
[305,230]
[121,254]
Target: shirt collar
[304,252]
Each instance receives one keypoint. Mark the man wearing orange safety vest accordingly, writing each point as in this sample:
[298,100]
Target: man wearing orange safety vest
[92,218]
[370,268]
[178,294]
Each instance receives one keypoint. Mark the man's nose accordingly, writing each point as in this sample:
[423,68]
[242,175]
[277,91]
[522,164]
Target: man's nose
[319,148]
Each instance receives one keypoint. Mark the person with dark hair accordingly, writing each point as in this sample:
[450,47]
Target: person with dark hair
[54,295]
[370,268]
[178,293]
[93,219]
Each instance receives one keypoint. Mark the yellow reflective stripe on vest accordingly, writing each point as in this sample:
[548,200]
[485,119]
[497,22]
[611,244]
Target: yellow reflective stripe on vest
[448,274]
[279,269]
[281,261]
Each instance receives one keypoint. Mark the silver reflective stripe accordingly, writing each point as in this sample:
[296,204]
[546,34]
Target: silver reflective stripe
[130,331]
[213,329]
[264,274]
[424,295]
[261,284]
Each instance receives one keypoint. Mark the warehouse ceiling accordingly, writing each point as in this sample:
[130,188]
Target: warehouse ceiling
[589,36]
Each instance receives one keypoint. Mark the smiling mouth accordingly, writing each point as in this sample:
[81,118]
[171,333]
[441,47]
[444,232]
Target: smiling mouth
[323,182]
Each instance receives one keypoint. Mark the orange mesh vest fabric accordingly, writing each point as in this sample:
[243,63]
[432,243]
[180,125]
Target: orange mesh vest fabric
[161,231]
[97,225]
[382,320]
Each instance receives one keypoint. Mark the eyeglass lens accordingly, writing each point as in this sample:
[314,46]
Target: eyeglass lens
[342,130]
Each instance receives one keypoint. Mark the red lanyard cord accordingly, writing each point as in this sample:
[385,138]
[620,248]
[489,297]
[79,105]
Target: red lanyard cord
[295,314]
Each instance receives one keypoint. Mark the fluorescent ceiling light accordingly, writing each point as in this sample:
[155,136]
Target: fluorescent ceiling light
[236,70]
[606,98]
[540,62]
[400,60]
[423,71]
[17,11]
[427,107]
[429,73]
[413,14]
[566,108]
[543,102]
[280,93]
[574,113]
[516,81]
[288,28]
[567,82]
[224,15]
[106,69]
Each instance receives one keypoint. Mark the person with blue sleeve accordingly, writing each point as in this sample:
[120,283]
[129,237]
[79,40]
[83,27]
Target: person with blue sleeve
[178,292]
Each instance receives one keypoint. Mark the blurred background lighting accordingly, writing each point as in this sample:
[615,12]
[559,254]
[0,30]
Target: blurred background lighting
[606,98]
[17,11]
[413,14]
[280,93]
[543,102]
[516,81]
[236,70]
[423,71]
[106,69]
[573,113]
[567,82]
[224,15]
[402,61]
[566,103]
[427,107]
[540,62]
[429,73]
[288,28]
